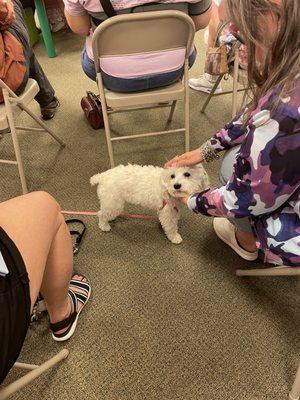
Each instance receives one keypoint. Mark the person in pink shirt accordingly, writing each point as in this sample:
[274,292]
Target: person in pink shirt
[131,73]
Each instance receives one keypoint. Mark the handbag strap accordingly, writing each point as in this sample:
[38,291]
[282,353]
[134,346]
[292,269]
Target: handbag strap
[108,8]
[220,27]
[78,235]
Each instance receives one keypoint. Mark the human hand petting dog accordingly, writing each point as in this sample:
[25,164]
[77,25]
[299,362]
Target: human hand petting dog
[185,160]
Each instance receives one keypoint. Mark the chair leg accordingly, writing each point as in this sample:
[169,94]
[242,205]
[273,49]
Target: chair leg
[186,110]
[33,374]
[295,392]
[15,140]
[43,125]
[273,271]
[235,83]
[171,112]
[105,115]
[245,96]
[108,135]
[211,93]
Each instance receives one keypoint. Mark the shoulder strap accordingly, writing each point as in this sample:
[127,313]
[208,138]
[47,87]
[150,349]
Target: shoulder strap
[108,8]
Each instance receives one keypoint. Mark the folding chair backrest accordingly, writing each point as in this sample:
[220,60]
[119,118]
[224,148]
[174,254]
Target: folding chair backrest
[142,33]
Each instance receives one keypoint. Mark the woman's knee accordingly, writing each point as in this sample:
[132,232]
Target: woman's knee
[45,200]
[225,173]
[43,204]
[227,165]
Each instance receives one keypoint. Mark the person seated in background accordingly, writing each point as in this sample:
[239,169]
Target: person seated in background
[227,35]
[133,74]
[206,81]
[257,205]
[17,59]
[36,255]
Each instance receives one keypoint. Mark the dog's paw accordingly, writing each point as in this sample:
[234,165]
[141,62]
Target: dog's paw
[104,226]
[176,239]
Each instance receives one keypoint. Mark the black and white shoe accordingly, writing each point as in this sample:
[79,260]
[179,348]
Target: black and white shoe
[79,292]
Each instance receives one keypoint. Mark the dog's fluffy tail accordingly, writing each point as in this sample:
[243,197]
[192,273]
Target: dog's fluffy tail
[95,179]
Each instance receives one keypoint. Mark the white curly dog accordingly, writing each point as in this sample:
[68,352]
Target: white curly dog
[148,186]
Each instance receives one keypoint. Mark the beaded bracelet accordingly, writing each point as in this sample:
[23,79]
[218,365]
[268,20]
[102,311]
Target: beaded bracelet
[208,152]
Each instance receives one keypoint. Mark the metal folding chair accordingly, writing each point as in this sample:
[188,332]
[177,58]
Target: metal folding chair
[35,372]
[277,271]
[143,33]
[9,111]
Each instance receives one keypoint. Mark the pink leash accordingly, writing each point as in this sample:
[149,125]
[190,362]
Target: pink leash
[122,215]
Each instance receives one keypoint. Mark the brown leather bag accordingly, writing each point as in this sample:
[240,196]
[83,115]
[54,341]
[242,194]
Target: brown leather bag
[91,106]
[216,62]
[12,59]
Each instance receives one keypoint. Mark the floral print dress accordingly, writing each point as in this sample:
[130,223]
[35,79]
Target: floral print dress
[265,182]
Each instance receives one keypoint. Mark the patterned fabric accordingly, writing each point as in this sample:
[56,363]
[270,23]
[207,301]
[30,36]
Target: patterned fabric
[265,183]
[228,39]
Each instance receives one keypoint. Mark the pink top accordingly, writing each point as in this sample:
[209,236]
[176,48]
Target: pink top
[77,7]
[135,65]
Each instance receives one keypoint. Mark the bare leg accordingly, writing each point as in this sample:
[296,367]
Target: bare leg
[213,26]
[36,226]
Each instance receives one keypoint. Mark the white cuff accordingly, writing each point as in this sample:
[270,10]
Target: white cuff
[191,203]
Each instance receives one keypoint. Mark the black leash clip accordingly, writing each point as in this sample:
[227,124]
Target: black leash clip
[77,234]
[38,309]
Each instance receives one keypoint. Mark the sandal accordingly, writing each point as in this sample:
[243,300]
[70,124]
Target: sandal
[71,321]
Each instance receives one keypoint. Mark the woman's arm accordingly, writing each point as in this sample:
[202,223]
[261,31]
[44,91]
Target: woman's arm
[265,174]
[201,21]
[79,24]
[232,134]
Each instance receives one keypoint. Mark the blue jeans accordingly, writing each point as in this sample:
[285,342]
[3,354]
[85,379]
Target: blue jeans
[135,84]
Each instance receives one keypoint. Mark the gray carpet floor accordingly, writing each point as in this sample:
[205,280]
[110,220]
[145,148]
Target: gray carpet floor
[164,322]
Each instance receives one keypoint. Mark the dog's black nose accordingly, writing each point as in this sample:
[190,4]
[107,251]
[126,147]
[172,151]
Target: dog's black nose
[177,186]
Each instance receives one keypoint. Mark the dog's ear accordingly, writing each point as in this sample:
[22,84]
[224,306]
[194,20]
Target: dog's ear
[198,167]
[165,176]
[205,184]
[205,180]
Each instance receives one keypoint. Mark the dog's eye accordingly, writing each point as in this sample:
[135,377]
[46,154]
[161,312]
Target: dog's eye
[187,174]
[172,176]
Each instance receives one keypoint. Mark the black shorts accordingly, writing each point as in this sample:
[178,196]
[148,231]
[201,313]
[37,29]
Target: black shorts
[14,305]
